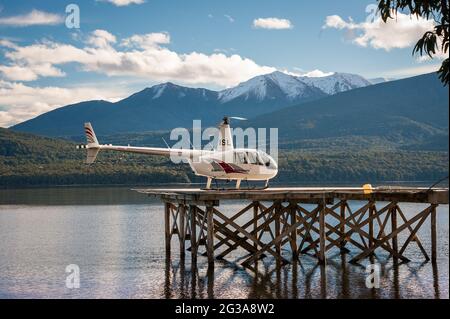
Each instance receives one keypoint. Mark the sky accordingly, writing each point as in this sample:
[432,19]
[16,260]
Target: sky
[51,56]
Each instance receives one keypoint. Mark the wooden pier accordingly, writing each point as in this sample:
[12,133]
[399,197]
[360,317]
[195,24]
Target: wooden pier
[310,220]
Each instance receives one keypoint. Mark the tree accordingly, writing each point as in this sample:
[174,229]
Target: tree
[432,40]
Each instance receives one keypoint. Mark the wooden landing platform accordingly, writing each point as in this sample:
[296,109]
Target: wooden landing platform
[274,219]
[303,194]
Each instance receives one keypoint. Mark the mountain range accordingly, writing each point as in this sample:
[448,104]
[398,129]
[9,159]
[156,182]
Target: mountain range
[165,106]
[395,130]
[411,112]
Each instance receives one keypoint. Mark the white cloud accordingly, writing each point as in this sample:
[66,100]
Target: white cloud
[19,102]
[272,23]
[137,57]
[146,58]
[402,32]
[229,18]
[122,3]
[35,17]
[147,40]
[317,74]
[101,39]
[29,73]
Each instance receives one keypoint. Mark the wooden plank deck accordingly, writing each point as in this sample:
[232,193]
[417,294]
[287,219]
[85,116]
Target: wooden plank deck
[307,194]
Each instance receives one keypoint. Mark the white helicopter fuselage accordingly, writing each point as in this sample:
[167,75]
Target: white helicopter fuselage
[236,164]
[225,162]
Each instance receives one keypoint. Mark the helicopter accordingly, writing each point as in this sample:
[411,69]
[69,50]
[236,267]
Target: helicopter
[224,162]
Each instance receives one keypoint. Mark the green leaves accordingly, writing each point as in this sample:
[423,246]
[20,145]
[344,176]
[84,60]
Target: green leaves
[427,44]
[432,40]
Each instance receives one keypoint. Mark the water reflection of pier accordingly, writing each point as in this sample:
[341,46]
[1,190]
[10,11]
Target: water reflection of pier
[338,279]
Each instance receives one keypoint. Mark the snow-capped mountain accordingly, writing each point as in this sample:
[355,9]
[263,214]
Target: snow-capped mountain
[173,91]
[293,88]
[336,83]
[168,105]
[270,86]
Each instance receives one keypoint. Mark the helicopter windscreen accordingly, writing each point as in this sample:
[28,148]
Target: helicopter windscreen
[265,159]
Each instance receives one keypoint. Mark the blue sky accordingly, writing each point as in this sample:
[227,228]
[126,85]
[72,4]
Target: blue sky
[214,44]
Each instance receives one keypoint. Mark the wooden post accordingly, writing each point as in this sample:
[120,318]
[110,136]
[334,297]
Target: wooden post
[393,230]
[277,227]
[167,226]
[182,213]
[194,244]
[210,234]
[322,235]
[255,222]
[371,222]
[293,212]
[342,227]
[433,234]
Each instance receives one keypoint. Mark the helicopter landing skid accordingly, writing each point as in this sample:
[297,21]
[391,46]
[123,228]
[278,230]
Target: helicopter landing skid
[217,187]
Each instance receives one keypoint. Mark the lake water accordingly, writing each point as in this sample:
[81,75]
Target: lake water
[116,237]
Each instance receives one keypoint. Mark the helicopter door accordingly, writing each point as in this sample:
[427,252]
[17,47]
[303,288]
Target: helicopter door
[240,158]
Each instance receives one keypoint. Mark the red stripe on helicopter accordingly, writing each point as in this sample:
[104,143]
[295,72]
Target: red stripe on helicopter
[231,168]
[89,135]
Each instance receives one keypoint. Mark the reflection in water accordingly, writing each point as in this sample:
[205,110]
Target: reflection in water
[436,281]
[119,247]
[302,280]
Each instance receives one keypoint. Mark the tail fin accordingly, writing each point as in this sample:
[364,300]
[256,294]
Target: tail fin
[90,134]
[93,146]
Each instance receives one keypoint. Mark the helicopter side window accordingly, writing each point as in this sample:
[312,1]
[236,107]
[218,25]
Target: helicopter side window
[239,158]
[252,158]
[265,158]
[260,160]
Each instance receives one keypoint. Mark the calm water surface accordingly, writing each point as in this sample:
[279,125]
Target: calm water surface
[116,237]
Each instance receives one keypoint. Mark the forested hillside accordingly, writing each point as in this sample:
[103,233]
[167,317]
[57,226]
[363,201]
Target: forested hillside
[28,160]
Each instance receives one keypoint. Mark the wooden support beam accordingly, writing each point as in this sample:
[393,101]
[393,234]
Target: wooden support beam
[363,211]
[314,215]
[167,230]
[182,214]
[394,230]
[414,237]
[255,222]
[433,234]
[358,228]
[235,233]
[372,212]
[229,235]
[358,224]
[250,236]
[342,206]
[210,234]
[242,241]
[293,212]
[278,226]
[274,242]
[322,236]
[194,242]
[285,220]
[380,242]
[413,233]
[343,237]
